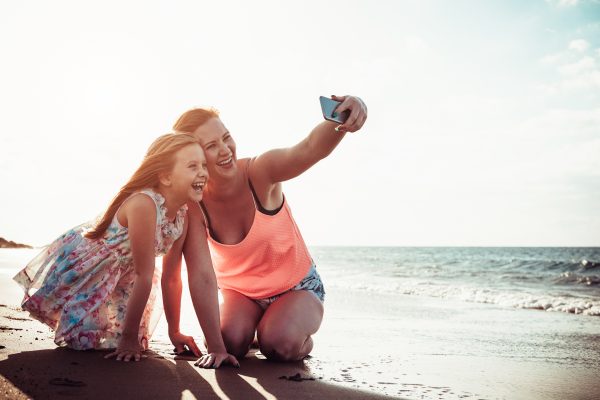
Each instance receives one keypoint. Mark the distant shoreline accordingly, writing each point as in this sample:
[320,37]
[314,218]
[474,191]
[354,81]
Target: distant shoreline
[9,244]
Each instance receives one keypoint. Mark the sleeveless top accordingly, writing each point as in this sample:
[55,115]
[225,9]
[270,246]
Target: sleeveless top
[271,259]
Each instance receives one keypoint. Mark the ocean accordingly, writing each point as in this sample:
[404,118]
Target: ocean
[563,279]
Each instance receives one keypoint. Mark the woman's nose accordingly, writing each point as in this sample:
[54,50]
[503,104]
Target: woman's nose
[223,149]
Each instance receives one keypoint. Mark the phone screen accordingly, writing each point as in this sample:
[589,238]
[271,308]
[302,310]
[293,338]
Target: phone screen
[328,106]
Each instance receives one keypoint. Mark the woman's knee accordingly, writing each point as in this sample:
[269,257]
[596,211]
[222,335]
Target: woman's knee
[281,347]
[239,317]
[237,341]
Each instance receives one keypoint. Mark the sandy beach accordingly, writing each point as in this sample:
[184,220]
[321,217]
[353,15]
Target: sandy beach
[31,366]
[370,346]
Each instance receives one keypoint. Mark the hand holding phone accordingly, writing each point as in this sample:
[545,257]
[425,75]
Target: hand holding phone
[328,107]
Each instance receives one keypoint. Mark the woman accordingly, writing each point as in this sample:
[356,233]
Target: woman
[268,281]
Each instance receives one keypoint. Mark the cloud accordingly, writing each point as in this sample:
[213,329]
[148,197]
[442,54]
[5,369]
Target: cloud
[563,3]
[577,68]
[580,45]
[588,80]
[552,59]
[570,3]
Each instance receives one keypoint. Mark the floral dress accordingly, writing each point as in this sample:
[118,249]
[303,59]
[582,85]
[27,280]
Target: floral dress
[80,287]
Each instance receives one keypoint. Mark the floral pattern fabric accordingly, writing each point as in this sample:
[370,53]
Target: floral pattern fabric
[80,287]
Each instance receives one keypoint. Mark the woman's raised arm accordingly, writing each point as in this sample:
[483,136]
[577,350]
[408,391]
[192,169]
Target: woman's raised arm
[279,165]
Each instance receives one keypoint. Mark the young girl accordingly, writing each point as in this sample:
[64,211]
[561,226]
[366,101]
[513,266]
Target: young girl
[96,285]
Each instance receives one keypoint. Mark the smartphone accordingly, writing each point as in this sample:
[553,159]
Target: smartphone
[328,106]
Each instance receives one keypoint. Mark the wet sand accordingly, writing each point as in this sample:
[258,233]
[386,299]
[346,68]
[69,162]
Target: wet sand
[31,366]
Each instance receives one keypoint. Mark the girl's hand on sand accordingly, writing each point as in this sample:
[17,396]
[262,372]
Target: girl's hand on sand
[358,112]
[214,360]
[180,340]
[128,350]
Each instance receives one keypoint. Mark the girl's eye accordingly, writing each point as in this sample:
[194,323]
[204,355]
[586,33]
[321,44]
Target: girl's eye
[210,146]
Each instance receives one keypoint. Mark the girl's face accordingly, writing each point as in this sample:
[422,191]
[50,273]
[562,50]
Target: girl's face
[189,175]
[219,148]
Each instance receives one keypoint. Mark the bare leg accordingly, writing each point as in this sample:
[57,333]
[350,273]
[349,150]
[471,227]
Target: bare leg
[284,332]
[239,317]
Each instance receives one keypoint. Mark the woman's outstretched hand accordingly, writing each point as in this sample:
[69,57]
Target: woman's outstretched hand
[180,341]
[358,112]
[215,360]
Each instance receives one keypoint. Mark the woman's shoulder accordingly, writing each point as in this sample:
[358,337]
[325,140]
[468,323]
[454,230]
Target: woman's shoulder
[243,163]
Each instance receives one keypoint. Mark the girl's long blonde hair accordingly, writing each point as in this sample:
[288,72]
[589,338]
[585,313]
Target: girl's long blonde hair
[160,158]
[192,119]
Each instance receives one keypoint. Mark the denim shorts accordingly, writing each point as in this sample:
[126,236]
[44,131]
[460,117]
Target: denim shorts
[311,283]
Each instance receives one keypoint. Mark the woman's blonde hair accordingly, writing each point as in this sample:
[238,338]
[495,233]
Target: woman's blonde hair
[160,158]
[192,119]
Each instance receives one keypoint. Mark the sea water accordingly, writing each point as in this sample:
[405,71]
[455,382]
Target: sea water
[545,278]
[552,279]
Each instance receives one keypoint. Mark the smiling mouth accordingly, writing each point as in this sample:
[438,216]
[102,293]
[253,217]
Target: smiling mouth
[225,162]
[198,186]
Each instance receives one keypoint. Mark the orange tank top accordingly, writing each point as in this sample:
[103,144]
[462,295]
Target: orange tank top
[271,259]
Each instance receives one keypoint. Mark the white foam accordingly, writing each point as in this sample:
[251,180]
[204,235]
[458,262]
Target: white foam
[507,298]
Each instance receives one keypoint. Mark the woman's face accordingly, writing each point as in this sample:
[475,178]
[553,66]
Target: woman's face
[219,148]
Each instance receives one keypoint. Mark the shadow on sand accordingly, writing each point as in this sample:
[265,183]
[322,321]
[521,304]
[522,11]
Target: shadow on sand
[63,373]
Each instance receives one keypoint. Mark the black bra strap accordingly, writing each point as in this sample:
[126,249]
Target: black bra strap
[255,197]
[207,218]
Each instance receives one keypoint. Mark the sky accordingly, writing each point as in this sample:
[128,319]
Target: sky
[483,127]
